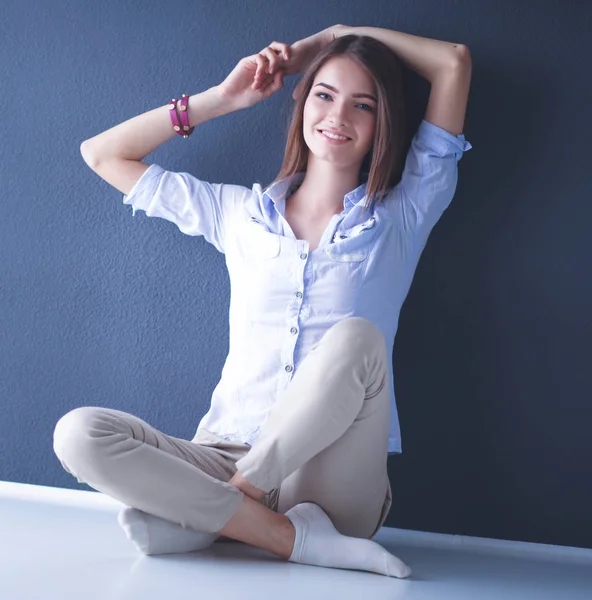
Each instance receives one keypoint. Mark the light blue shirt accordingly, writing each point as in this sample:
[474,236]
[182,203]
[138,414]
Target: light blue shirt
[283,297]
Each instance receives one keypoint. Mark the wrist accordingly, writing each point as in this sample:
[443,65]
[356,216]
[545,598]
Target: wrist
[326,36]
[318,40]
[337,31]
[221,104]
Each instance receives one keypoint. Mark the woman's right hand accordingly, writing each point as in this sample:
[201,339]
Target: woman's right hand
[249,83]
[259,76]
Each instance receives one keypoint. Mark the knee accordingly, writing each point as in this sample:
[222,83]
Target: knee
[358,331]
[74,432]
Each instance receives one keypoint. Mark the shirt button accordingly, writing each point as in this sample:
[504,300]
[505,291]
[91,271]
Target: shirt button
[289,368]
[298,294]
[293,330]
[303,256]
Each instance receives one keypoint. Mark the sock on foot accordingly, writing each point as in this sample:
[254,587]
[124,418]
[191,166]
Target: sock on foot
[319,543]
[153,535]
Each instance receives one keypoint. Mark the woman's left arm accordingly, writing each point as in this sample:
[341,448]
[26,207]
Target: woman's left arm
[445,65]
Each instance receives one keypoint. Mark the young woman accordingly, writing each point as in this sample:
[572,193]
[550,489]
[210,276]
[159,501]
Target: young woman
[292,454]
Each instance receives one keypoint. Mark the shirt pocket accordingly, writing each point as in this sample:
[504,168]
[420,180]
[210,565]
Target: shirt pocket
[339,274]
[256,242]
[354,244]
[259,277]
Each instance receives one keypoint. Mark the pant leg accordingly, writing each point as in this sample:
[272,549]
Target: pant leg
[326,440]
[126,458]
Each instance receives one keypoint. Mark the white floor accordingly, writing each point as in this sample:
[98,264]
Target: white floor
[67,544]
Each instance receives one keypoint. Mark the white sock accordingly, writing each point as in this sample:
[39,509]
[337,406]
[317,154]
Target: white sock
[319,543]
[153,535]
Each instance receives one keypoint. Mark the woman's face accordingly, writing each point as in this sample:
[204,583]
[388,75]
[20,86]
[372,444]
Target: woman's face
[340,109]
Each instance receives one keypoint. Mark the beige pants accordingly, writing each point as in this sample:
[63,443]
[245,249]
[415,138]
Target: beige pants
[325,441]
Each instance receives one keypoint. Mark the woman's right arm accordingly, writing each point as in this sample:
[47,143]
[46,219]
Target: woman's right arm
[116,154]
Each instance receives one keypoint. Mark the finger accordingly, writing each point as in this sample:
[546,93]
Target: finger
[262,64]
[285,57]
[272,58]
[283,49]
[259,75]
[266,79]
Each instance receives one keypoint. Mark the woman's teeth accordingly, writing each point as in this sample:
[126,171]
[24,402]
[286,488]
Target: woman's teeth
[333,136]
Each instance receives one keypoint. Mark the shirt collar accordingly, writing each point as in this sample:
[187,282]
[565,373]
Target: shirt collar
[276,192]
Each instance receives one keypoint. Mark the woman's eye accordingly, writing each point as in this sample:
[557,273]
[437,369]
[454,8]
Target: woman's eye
[368,107]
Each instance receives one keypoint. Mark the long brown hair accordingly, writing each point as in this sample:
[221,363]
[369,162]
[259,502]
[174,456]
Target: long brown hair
[383,164]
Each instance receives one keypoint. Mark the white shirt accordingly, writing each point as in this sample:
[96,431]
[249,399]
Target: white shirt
[284,297]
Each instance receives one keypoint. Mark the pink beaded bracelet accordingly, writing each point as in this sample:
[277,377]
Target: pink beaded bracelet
[183,130]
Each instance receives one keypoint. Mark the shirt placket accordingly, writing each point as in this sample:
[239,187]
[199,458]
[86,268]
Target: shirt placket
[302,260]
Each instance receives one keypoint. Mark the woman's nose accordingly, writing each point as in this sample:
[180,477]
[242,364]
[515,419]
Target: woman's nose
[338,114]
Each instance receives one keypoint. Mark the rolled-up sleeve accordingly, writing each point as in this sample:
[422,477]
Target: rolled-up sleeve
[196,207]
[429,178]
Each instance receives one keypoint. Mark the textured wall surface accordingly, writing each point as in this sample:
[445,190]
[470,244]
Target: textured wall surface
[492,356]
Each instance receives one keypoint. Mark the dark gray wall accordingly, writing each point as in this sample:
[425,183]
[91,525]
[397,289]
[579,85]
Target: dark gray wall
[492,356]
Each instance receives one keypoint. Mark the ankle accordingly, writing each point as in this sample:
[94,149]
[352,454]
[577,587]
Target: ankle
[287,539]
[245,487]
